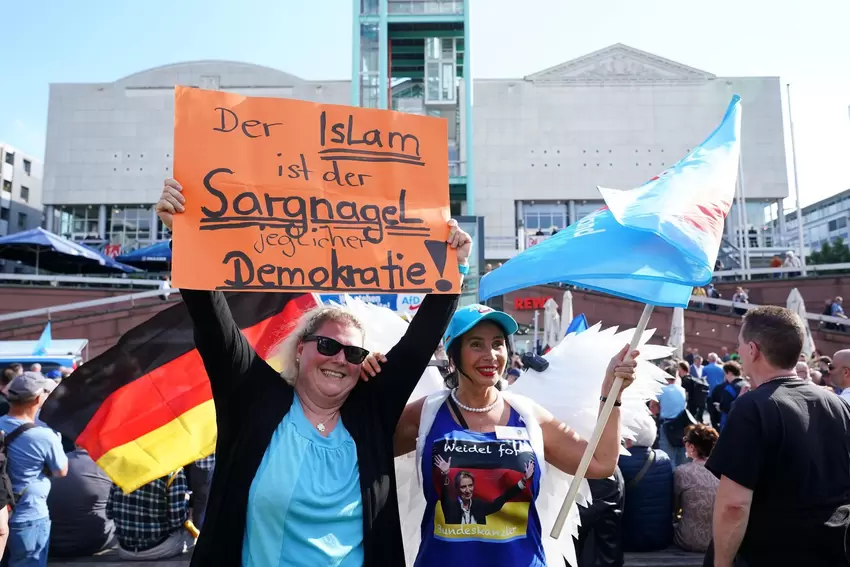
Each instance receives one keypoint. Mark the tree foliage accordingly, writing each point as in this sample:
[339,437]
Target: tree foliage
[835,252]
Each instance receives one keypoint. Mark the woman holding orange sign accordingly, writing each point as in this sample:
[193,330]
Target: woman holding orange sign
[304,472]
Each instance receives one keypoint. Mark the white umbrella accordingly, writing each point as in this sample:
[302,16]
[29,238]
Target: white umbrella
[551,323]
[677,331]
[566,312]
[797,305]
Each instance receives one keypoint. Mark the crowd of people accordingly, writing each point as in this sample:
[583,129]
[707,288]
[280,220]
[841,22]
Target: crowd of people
[58,502]
[742,446]
[738,447]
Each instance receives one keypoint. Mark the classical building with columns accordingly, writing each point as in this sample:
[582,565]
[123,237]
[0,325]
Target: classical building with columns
[613,118]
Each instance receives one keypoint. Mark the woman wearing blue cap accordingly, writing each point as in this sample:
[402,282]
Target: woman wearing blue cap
[483,451]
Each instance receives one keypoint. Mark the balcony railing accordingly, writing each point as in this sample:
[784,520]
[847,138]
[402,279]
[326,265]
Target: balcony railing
[457,168]
[429,7]
[500,246]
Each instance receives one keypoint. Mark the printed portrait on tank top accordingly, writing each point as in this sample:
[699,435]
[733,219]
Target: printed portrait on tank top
[484,486]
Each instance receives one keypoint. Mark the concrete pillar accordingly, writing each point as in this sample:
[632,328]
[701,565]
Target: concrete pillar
[48,218]
[101,222]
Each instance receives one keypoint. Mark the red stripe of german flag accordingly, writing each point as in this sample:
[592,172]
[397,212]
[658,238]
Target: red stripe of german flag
[144,407]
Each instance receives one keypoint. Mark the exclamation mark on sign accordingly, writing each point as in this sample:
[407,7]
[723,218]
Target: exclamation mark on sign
[438,251]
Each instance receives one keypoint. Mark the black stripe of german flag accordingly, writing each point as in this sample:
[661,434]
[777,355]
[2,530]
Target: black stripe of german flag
[144,407]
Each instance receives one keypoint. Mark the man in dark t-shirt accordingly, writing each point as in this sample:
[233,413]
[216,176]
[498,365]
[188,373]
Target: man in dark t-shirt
[783,458]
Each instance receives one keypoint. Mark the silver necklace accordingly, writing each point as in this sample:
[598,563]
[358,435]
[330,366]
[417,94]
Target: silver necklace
[321,425]
[485,409]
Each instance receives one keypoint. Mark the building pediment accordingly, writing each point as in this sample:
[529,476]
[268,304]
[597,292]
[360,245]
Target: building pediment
[618,64]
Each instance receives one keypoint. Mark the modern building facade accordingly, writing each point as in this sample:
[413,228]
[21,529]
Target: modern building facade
[542,143]
[614,118]
[110,145]
[823,222]
[20,195]
[414,56]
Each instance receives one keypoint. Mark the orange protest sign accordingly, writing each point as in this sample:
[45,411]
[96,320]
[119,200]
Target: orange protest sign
[297,196]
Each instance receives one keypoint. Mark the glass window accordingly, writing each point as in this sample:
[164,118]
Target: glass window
[432,70]
[78,222]
[543,216]
[4,213]
[447,82]
[27,167]
[440,70]
[448,48]
[129,226]
[7,185]
[22,220]
[25,194]
[432,48]
[369,48]
[585,208]
[10,158]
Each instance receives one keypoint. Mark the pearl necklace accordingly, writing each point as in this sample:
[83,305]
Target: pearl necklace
[485,409]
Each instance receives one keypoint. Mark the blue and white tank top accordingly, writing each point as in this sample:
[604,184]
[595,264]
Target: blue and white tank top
[480,491]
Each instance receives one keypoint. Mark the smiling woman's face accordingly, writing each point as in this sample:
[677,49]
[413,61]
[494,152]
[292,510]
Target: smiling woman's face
[332,377]
[484,353]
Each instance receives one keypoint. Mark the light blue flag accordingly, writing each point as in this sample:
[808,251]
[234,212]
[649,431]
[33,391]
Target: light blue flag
[652,244]
[577,325]
[43,342]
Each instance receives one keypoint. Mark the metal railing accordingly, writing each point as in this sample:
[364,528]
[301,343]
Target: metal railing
[701,299]
[48,311]
[457,168]
[55,280]
[810,269]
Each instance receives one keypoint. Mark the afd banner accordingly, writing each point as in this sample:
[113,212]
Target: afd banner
[403,304]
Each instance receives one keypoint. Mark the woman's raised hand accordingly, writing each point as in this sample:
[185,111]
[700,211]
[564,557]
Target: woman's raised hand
[171,202]
[623,365]
[460,241]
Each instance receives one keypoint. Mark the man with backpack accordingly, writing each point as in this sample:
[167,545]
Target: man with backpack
[32,453]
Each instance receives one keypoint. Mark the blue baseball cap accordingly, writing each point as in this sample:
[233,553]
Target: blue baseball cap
[467,317]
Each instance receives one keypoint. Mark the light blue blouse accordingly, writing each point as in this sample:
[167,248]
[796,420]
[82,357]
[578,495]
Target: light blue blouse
[304,506]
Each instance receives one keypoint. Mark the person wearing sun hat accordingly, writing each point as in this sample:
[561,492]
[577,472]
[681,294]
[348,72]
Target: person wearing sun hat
[482,450]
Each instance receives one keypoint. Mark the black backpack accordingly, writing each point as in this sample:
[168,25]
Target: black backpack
[6,491]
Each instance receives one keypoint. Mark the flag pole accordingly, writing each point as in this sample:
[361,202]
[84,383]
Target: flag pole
[597,432]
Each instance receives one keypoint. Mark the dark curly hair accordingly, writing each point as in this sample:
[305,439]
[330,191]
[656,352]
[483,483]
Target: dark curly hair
[452,377]
[702,437]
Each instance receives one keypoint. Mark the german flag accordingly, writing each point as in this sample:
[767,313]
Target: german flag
[144,408]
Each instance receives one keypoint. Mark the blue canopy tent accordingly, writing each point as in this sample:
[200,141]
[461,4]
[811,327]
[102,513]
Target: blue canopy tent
[156,257]
[47,251]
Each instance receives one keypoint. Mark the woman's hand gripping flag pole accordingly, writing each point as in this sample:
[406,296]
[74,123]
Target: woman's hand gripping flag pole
[597,432]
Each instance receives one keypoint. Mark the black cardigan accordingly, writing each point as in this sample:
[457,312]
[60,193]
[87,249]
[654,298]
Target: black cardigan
[251,399]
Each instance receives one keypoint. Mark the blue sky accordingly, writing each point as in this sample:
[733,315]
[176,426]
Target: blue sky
[804,43]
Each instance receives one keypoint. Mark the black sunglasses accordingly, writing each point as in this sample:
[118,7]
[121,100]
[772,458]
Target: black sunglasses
[329,347]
